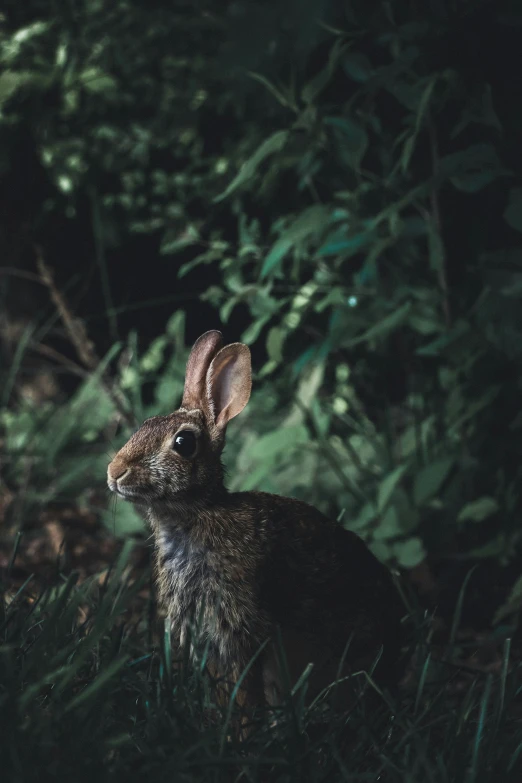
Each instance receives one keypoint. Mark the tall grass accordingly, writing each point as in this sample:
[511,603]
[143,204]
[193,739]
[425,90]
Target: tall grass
[88,690]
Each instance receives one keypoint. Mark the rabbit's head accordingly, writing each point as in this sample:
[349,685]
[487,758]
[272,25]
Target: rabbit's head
[180,453]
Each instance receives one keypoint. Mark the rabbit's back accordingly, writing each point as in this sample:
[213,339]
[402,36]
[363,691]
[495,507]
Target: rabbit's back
[322,580]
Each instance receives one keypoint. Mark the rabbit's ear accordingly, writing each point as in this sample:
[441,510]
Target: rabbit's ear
[202,353]
[229,381]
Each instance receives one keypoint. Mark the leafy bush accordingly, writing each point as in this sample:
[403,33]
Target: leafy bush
[364,211]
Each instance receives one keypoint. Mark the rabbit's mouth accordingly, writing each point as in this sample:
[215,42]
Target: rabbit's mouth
[125,491]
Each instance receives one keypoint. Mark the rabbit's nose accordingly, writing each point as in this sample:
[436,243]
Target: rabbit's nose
[117,472]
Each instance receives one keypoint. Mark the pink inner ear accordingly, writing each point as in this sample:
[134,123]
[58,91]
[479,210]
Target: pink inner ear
[224,390]
[229,382]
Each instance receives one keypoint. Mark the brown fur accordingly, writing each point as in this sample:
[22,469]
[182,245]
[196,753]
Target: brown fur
[247,563]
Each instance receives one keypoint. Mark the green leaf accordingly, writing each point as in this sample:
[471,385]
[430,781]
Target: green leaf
[274,344]
[358,67]
[430,479]
[352,139]
[274,143]
[311,221]
[494,548]
[409,553]
[478,510]
[253,331]
[513,211]
[363,520]
[283,439]
[409,144]
[11,81]
[472,169]
[383,327]
[424,325]
[436,347]
[317,84]
[389,525]
[342,245]
[478,110]
[425,101]
[387,486]
[96,81]
[513,603]
[381,550]
[278,94]
[123,520]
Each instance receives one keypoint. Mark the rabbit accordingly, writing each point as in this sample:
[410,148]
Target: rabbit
[255,568]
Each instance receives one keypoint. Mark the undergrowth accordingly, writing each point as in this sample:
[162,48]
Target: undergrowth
[89,685]
[89,690]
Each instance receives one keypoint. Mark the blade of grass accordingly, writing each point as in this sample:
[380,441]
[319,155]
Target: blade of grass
[480,728]
[15,365]
[235,691]
[458,611]
[91,690]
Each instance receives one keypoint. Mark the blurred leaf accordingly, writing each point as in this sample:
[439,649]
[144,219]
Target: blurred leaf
[310,384]
[316,85]
[284,439]
[495,548]
[96,81]
[122,519]
[472,169]
[274,143]
[389,525]
[274,344]
[358,67]
[342,245]
[387,486]
[310,221]
[11,81]
[409,553]
[253,331]
[278,93]
[430,479]
[385,326]
[478,510]
[366,517]
[409,144]
[352,139]
[480,111]
[513,603]
[436,347]
[513,211]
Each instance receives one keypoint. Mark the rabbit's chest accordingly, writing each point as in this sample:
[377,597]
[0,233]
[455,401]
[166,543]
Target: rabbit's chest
[194,590]
[184,573]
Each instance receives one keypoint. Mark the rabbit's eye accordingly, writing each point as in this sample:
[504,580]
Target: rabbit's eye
[185,443]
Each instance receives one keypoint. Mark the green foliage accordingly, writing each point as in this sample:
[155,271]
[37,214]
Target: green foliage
[357,195]
[356,269]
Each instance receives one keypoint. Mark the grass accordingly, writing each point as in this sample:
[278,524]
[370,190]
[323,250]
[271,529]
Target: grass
[88,692]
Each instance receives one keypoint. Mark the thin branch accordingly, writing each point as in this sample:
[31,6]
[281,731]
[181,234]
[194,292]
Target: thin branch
[59,358]
[79,338]
[75,328]
[9,270]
